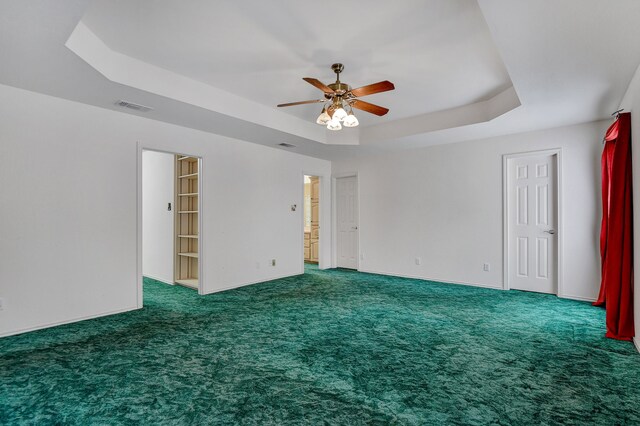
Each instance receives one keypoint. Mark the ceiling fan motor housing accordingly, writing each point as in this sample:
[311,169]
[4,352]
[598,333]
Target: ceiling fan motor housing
[339,89]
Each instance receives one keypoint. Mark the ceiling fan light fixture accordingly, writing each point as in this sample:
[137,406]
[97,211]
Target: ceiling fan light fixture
[339,114]
[350,121]
[334,124]
[323,118]
[339,96]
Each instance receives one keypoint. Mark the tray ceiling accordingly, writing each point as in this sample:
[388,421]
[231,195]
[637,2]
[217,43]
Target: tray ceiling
[439,53]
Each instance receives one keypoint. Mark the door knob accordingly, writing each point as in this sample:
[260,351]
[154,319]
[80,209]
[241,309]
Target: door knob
[354,227]
[550,231]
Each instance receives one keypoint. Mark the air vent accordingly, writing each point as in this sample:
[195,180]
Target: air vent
[286,145]
[131,105]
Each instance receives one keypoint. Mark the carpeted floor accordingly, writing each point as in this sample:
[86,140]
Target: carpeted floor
[329,347]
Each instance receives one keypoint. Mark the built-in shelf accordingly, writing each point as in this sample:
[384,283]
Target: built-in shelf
[189,176]
[188,255]
[193,282]
[186,221]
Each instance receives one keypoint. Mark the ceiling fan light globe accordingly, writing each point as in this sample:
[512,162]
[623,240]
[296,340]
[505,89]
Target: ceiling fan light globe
[340,114]
[323,118]
[334,124]
[350,121]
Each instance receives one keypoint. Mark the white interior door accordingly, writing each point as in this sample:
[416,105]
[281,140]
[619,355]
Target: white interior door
[158,182]
[532,220]
[347,222]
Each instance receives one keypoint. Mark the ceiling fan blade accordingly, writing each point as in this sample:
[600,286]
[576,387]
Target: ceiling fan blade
[320,85]
[382,86]
[302,103]
[366,106]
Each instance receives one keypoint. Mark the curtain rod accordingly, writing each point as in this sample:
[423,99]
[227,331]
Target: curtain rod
[617,115]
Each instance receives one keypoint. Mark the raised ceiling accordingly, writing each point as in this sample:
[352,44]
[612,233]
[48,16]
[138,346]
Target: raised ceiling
[439,54]
[463,69]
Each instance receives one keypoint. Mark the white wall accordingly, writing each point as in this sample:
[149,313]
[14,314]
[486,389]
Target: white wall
[68,227]
[444,204]
[158,187]
[631,103]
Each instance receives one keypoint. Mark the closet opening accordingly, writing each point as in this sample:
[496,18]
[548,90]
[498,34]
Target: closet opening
[311,219]
[171,207]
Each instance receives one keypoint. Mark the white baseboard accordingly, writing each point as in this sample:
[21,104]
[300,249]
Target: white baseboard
[231,287]
[496,287]
[636,344]
[368,271]
[104,314]
[157,279]
[580,298]
[55,324]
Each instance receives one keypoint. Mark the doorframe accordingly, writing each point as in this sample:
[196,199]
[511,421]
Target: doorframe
[334,217]
[505,215]
[201,257]
[321,261]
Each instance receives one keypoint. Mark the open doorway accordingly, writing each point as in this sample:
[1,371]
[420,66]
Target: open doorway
[170,207]
[311,219]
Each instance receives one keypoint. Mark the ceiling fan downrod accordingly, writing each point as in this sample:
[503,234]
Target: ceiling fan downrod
[338,87]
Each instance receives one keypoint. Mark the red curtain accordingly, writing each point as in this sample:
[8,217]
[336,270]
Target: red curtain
[616,233]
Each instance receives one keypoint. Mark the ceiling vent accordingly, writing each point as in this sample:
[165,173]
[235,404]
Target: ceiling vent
[286,145]
[131,105]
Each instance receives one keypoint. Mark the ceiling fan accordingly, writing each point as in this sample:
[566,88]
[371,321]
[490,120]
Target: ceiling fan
[339,96]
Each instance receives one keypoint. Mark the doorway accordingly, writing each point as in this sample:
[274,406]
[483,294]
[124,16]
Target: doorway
[347,222]
[532,221]
[169,219]
[311,219]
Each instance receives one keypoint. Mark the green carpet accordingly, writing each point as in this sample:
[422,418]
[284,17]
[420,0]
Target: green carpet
[329,347]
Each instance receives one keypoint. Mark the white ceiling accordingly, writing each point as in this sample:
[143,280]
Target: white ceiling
[568,61]
[438,53]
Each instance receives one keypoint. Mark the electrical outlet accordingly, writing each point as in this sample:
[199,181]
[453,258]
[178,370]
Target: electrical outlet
[257,265]
[273,262]
[1,304]
[418,261]
[486,267]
